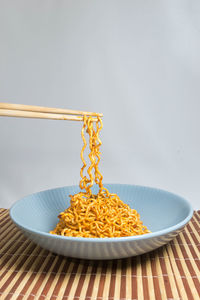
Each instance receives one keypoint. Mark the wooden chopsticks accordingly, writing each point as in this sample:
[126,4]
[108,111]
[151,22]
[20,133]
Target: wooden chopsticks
[39,112]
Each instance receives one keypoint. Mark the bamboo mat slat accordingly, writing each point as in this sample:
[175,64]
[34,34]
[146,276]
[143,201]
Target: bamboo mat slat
[29,272]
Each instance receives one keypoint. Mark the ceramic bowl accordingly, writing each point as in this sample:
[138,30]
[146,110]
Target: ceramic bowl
[165,215]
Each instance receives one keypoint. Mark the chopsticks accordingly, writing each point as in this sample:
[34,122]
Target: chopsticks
[40,112]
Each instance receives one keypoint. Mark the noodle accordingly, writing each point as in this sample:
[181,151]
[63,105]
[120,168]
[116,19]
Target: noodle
[102,215]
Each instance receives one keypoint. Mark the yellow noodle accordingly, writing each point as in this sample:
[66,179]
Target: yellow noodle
[103,215]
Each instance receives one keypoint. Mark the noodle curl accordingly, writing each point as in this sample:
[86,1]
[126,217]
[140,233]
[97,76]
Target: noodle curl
[103,215]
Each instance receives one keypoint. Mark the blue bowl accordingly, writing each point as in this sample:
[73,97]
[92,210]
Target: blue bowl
[165,214]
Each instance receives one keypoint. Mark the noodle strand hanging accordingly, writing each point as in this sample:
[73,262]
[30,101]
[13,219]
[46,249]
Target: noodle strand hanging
[102,215]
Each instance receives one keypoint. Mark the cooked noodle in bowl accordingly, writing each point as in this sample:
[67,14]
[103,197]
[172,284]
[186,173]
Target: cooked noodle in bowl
[101,215]
[97,224]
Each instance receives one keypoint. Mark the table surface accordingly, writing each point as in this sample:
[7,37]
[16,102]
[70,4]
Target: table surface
[29,272]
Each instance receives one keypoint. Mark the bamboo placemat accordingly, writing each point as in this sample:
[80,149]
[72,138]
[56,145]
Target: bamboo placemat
[30,272]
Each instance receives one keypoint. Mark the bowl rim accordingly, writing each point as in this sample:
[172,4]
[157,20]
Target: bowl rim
[113,239]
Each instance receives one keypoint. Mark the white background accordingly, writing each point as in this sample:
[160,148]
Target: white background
[137,62]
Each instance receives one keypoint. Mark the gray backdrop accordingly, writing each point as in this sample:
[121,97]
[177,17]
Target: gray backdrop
[137,62]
